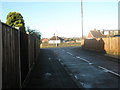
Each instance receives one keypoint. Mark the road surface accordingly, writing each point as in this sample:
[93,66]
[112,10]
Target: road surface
[88,69]
[49,73]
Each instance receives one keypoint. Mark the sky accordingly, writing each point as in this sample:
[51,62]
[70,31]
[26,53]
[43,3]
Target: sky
[64,17]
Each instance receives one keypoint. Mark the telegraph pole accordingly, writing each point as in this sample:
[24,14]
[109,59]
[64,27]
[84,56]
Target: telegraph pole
[82,17]
[56,38]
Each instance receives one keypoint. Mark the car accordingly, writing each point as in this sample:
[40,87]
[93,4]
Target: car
[116,36]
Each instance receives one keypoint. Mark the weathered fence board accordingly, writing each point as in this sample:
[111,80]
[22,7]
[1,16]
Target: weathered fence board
[18,52]
[31,50]
[109,45]
[24,55]
[10,57]
[0,55]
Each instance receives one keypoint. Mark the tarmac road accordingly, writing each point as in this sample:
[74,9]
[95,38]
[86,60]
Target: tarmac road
[90,69]
[49,73]
[87,69]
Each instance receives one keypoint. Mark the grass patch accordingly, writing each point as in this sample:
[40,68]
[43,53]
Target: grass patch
[46,45]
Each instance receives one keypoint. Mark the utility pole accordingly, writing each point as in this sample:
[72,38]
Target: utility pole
[82,17]
[56,38]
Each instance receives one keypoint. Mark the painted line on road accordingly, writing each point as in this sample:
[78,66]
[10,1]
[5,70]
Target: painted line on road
[107,70]
[49,58]
[90,63]
[76,77]
[83,59]
[59,60]
[69,53]
[104,69]
[62,63]
[82,84]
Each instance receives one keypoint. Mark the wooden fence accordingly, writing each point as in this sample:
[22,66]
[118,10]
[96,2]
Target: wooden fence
[18,53]
[109,45]
[0,56]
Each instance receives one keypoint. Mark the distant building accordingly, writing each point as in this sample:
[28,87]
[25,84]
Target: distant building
[70,41]
[78,40]
[55,39]
[95,34]
[44,40]
[111,32]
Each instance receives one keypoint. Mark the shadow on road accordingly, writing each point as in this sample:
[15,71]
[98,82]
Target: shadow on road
[49,73]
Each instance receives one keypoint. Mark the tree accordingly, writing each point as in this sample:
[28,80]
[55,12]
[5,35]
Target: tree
[15,19]
[34,33]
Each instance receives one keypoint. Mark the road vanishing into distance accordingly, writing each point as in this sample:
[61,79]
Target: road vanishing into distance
[84,69]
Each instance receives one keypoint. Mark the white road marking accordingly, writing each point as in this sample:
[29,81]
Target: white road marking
[62,63]
[81,84]
[59,60]
[107,70]
[83,59]
[76,77]
[90,63]
[49,58]
[69,53]
[77,57]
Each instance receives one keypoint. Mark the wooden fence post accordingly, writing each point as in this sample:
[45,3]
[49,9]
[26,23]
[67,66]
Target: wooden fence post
[29,50]
[19,59]
[0,55]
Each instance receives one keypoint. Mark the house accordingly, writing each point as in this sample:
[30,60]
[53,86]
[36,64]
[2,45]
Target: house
[78,40]
[95,34]
[44,40]
[111,32]
[70,41]
[55,39]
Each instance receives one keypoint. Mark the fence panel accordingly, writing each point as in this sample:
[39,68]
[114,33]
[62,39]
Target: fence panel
[18,52]
[109,45]
[31,50]
[10,57]
[1,54]
[24,55]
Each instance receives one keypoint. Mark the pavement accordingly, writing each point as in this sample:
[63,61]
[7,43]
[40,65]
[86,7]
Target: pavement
[49,73]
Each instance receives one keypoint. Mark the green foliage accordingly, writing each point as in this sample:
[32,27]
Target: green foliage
[15,19]
[34,32]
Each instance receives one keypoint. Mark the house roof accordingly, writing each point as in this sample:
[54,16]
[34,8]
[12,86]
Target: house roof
[44,39]
[96,34]
[54,38]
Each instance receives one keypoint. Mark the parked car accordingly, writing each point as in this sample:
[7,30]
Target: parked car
[116,36]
